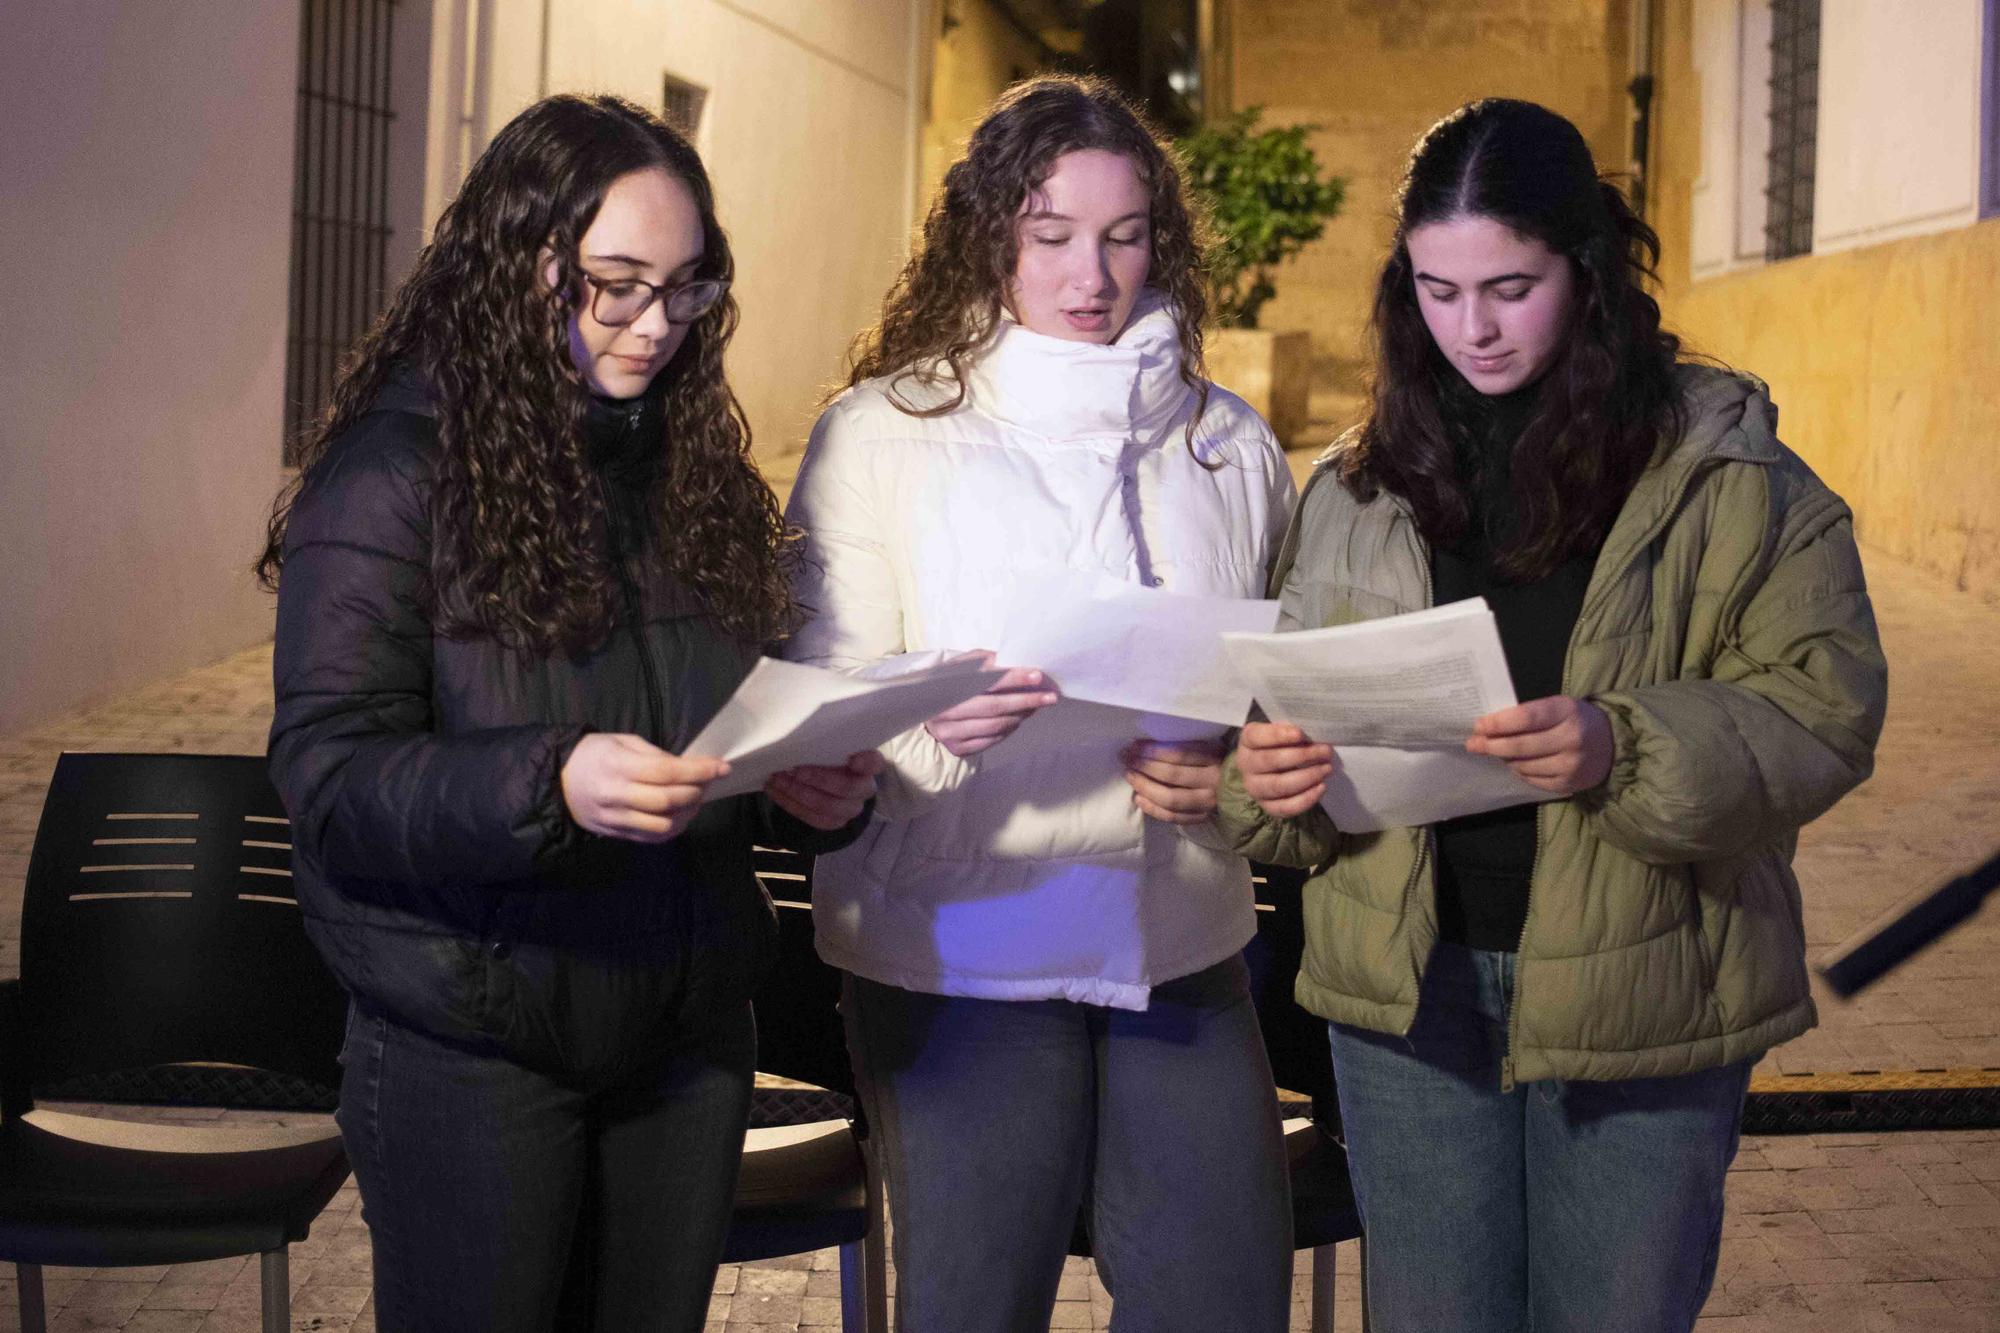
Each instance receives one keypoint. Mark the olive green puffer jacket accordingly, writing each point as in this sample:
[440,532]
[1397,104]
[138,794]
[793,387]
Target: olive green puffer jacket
[1728,636]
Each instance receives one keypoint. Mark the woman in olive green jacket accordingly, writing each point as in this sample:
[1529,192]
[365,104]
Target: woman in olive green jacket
[1544,1017]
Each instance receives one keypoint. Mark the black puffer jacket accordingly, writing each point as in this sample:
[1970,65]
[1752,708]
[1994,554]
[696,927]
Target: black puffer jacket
[436,862]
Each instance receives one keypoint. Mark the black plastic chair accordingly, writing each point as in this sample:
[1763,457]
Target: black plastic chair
[808,1181]
[1323,1208]
[159,933]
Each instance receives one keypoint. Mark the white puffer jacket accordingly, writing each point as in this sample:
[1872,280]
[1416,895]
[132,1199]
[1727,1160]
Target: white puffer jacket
[1025,872]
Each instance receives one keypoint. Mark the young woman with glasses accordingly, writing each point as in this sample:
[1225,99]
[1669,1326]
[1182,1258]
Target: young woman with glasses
[526,558]
[1544,1017]
[1049,1010]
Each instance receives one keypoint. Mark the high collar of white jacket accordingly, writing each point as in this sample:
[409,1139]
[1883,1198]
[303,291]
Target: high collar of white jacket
[1062,389]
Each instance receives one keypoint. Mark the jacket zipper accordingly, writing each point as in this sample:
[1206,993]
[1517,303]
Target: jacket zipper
[1427,836]
[629,593]
[1541,809]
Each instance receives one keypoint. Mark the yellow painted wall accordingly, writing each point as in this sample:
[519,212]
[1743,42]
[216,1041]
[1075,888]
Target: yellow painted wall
[1373,74]
[1885,361]
[970,65]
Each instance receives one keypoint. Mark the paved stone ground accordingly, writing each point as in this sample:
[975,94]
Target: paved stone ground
[1826,1233]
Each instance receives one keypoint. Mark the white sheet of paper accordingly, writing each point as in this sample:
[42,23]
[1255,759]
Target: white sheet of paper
[1109,642]
[1396,697]
[785,714]
[1380,786]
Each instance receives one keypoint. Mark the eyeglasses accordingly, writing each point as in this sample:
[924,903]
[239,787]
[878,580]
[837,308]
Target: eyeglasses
[616,302]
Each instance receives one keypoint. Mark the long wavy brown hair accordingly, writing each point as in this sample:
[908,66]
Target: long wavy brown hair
[1601,409]
[519,550]
[947,301]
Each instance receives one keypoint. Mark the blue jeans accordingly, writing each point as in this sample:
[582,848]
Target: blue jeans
[1562,1205]
[996,1120]
[501,1201]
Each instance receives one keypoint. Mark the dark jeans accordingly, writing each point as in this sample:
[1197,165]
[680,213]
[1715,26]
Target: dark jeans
[996,1120]
[485,1183]
[1563,1206]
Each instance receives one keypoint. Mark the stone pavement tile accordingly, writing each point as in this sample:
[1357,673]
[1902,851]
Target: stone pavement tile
[770,1282]
[1974,1294]
[120,1298]
[202,1296]
[149,1274]
[165,1321]
[87,1319]
[326,1298]
[1762,1294]
[1855,1269]
[1779,1236]
[1911,1297]
[754,1307]
[819,1312]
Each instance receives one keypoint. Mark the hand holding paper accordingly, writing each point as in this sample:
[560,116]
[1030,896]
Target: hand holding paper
[1397,698]
[786,714]
[624,786]
[1284,770]
[824,796]
[986,719]
[1154,653]
[1174,784]
[1560,744]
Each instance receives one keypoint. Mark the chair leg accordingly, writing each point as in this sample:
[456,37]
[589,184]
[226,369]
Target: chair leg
[34,1312]
[853,1289]
[277,1279]
[1361,1241]
[873,1316]
[1322,1289]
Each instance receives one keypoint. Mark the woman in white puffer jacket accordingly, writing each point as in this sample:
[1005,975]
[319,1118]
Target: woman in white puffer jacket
[1048,1005]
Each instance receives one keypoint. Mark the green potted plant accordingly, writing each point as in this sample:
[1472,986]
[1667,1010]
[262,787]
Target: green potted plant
[1267,199]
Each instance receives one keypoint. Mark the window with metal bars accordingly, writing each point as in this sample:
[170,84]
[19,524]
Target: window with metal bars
[340,195]
[1794,119]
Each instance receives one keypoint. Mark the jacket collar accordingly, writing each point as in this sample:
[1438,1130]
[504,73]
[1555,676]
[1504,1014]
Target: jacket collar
[1061,389]
[1726,417]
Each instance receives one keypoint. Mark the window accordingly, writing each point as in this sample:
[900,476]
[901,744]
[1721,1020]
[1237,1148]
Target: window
[683,104]
[340,195]
[1828,127]
[1794,128]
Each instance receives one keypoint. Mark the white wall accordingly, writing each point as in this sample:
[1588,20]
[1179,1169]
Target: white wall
[810,133]
[145,201]
[1897,150]
[1899,120]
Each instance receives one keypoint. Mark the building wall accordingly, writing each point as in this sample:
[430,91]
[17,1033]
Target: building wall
[810,133]
[146,218]
[977,55]
[1882,357]
[1372,75]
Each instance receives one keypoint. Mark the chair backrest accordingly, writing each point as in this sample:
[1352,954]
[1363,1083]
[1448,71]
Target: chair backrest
[160,926]
[799,1031]
[1297,1042]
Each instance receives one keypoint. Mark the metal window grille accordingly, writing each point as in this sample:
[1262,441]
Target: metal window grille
[682,105]
[340,195]
[1788,192]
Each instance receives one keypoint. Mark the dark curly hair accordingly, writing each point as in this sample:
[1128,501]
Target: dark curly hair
[1605,403]
[947,301]
[520,550]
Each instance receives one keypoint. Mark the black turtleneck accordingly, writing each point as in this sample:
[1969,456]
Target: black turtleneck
[1485,861]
